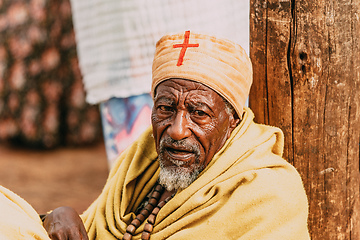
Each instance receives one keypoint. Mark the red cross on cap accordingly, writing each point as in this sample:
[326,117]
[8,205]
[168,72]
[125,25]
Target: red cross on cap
[184,46]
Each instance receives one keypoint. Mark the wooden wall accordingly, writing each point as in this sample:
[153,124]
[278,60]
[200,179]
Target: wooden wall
[306,60]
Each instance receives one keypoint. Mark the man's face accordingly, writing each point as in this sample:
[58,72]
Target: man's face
[190,124]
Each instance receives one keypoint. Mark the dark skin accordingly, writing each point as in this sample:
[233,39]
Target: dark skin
[183,110]
[65,223]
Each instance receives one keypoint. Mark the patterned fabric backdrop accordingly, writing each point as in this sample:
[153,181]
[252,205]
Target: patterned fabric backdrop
[42,100]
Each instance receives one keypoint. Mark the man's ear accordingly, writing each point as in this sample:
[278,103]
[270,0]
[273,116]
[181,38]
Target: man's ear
[233,122]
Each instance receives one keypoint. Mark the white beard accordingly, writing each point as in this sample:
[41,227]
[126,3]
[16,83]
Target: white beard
[175,177]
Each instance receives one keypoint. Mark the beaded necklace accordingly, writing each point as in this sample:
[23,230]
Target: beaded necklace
[149,211]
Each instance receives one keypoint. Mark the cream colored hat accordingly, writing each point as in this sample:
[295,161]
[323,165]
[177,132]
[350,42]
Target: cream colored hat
[217,63]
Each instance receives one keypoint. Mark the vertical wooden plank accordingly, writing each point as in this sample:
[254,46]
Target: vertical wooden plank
[278,75]
[310,83]
[271,90]
[325,88]
[258,32]
[309,73]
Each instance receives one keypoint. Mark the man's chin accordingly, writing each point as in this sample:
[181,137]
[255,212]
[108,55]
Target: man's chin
[175,178]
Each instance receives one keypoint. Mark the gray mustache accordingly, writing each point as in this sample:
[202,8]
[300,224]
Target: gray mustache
[182,144]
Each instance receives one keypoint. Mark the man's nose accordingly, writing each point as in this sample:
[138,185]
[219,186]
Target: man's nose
[179,127]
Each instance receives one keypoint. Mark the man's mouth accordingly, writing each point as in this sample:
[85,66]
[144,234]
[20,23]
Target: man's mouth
[180,154]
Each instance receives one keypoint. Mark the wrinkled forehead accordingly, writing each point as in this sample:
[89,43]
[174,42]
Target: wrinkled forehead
[184,86]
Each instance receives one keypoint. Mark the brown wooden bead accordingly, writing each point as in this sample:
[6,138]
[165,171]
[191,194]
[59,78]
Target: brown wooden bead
[140,217]
[145,235]
[145,212]
[127,236]
[148,227]
[153,202]
[159,188]
[156,210]
[161,204]
[136,222]
[153,207]
[131,229]
[156,195]
[149,207]
[151,219]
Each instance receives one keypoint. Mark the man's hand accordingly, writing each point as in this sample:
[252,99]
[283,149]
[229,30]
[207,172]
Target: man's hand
[64,223]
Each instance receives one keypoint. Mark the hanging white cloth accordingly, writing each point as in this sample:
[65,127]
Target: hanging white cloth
[116,38]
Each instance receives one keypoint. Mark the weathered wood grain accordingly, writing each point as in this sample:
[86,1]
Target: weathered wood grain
[306,59]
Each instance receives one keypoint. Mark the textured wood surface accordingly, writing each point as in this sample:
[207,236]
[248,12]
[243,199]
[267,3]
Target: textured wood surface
[307,82]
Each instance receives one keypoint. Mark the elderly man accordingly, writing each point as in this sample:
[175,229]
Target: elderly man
[204,170]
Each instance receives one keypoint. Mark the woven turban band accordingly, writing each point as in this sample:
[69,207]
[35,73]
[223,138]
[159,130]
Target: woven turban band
[217,63]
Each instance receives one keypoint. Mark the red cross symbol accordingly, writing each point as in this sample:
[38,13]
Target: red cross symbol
[184,46]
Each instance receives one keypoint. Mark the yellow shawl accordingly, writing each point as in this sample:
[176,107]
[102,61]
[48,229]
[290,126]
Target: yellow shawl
[18,220]
[247,192]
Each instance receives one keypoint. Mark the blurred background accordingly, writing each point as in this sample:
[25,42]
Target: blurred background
[75,80]
[51,144]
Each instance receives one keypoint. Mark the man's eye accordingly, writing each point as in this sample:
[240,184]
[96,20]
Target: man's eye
[200,113]
[165,108]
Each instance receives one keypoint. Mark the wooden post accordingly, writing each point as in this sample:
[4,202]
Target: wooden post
[306,60]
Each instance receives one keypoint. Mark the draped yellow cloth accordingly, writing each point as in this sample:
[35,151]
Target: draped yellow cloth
[18,220]
[248,191]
